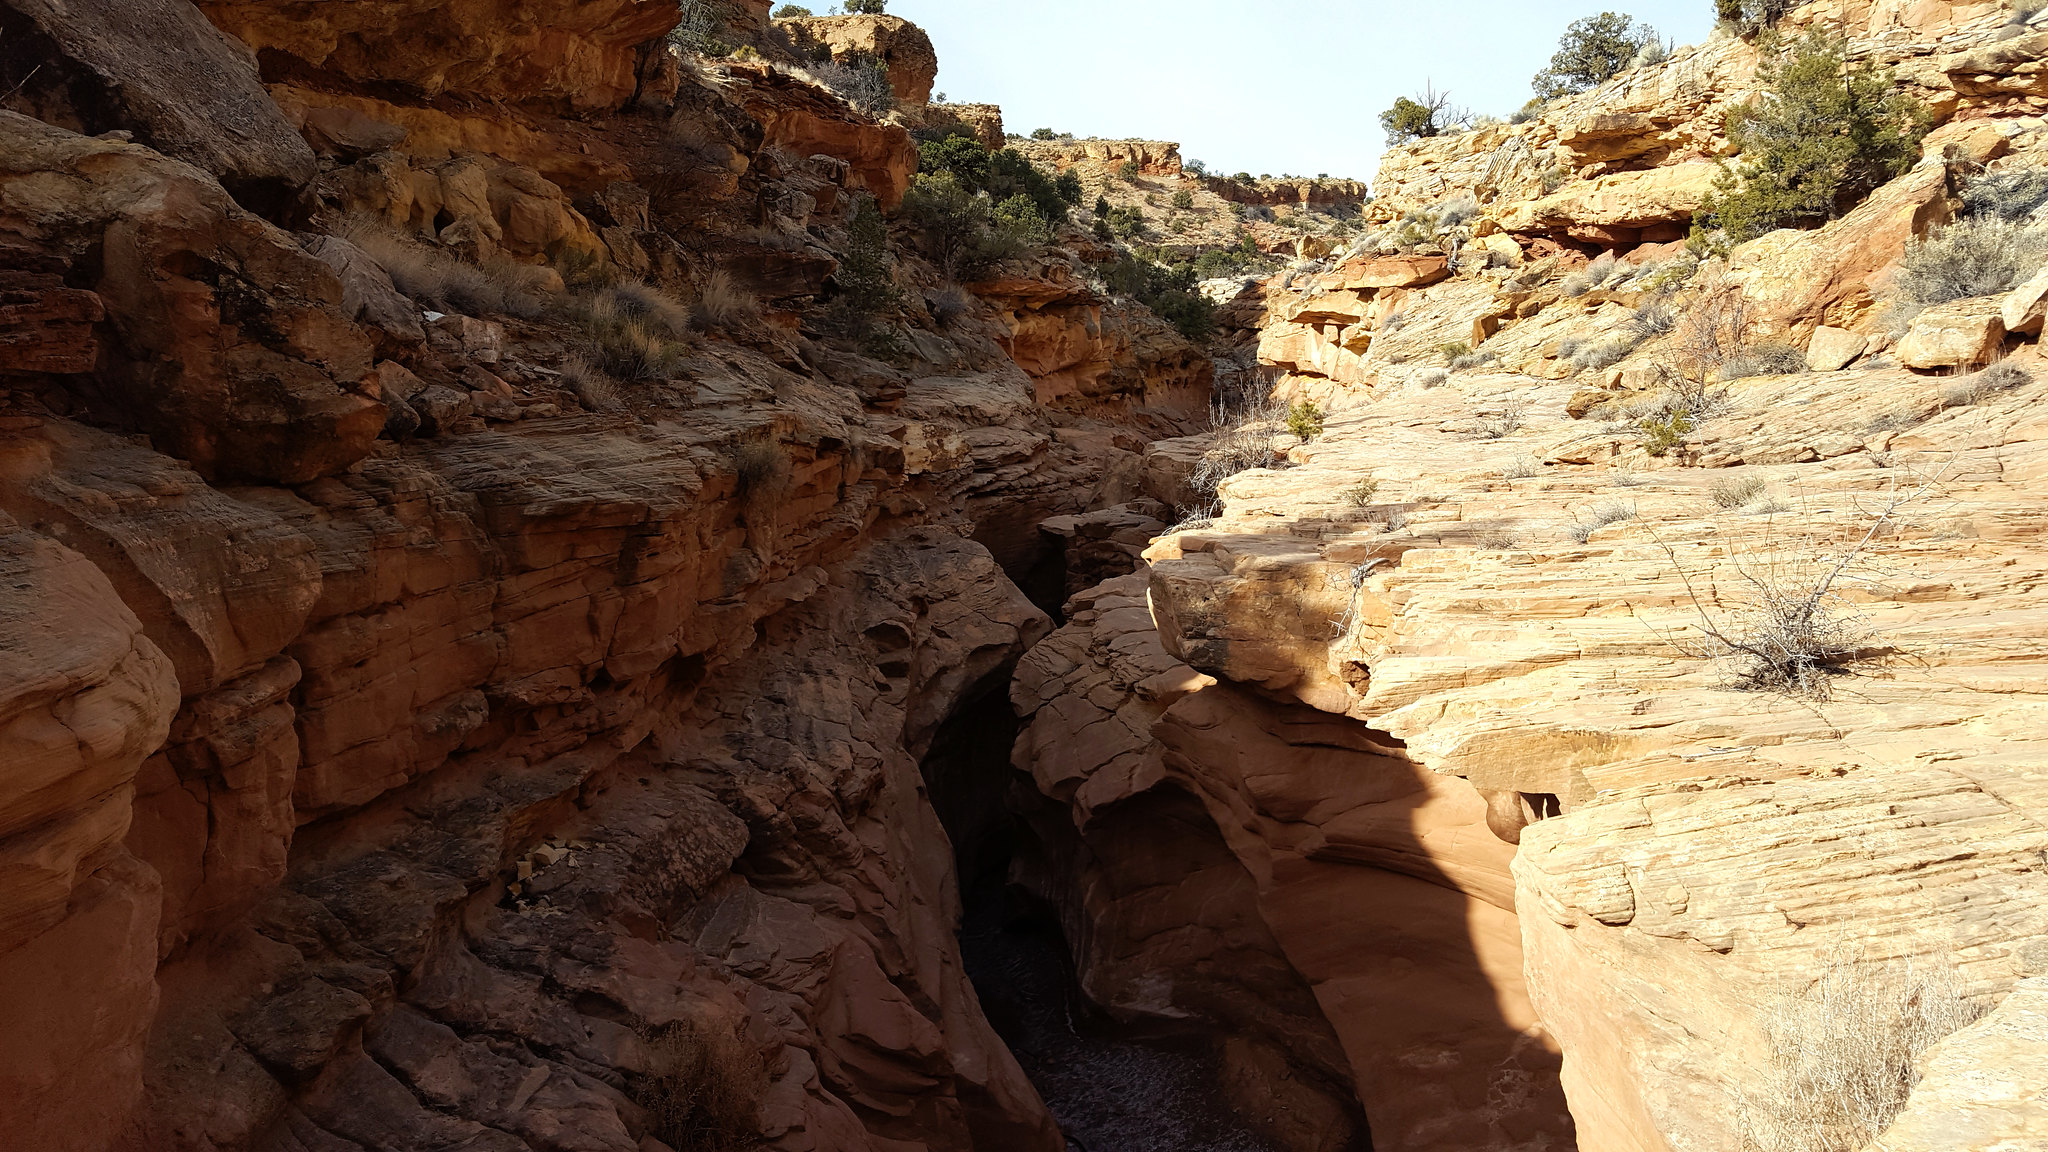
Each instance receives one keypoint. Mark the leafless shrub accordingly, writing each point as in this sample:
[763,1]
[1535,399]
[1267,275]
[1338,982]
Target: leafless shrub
[1504,422]
[1601,515]
[1843,1050]
[724,306]
[703,1087]
[2012,195]
[949,303]
[1501,538]
[1243,441]
[1714,328]
[1794,631]
[1654,318]
[1432,377]
[1623,474]
[1472,360]
[1522,468]
[1736,491]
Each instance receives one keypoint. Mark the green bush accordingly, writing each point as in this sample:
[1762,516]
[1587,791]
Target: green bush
[1824,134]
[791,12]
[1305,420]
[1002,175]
[1184,199]
[1167,289]
[1592,50]
[960,156]
[1129,170]
[1126,220]
[1661,434]
[866,7]
[1417,119]
[865,285]
[967,233]
[1044,134]
[1751,16]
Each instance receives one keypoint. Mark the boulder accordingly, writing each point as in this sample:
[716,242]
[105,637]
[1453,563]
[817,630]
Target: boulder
[367,293]
[903,46]
[158,69]
[2026,305]
[1833,349]
[84,697]
[2014,67]
[1960,334]
[230,344]
[1393,272]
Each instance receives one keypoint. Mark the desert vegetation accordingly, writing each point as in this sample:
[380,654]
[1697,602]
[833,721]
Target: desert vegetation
[1843,1048]
[1824,133]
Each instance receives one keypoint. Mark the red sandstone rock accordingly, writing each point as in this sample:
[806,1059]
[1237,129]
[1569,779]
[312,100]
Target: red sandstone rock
[230,349]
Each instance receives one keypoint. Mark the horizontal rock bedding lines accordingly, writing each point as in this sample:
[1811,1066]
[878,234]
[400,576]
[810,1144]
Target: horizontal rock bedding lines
[421,745]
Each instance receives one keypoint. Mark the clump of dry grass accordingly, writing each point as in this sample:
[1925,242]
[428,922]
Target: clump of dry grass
[1843,1050]
[723,306]
[443,282]
[1979,387]
[1736,491]
[949,303]
[1601,515]
[703,1087]
[634,332]
[1501,538]
[591,385]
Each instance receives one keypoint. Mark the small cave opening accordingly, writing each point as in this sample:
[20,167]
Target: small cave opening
[1113,1085]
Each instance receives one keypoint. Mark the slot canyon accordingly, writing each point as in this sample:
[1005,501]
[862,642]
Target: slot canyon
[624,576]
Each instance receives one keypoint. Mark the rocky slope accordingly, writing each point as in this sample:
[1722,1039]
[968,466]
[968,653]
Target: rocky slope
[1415,757]
[420,740]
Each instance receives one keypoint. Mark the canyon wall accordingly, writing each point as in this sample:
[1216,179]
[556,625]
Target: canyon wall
[1430,739]
[422,741]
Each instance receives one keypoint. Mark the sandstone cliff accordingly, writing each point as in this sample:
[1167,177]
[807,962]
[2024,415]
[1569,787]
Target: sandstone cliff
[474,620]
[1434,734]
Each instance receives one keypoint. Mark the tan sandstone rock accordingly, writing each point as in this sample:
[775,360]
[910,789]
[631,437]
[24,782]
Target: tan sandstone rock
[1832,349]
[1962,334]
[896,42]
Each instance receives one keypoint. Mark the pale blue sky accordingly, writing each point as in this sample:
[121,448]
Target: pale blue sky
[1253,85]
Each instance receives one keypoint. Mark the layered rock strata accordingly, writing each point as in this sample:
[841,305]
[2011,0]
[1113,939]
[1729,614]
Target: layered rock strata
[424,739]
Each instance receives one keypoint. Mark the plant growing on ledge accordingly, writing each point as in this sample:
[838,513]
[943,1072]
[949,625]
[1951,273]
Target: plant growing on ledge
[1305,420]
[1824,134]
[1593,50]
[1428,114]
